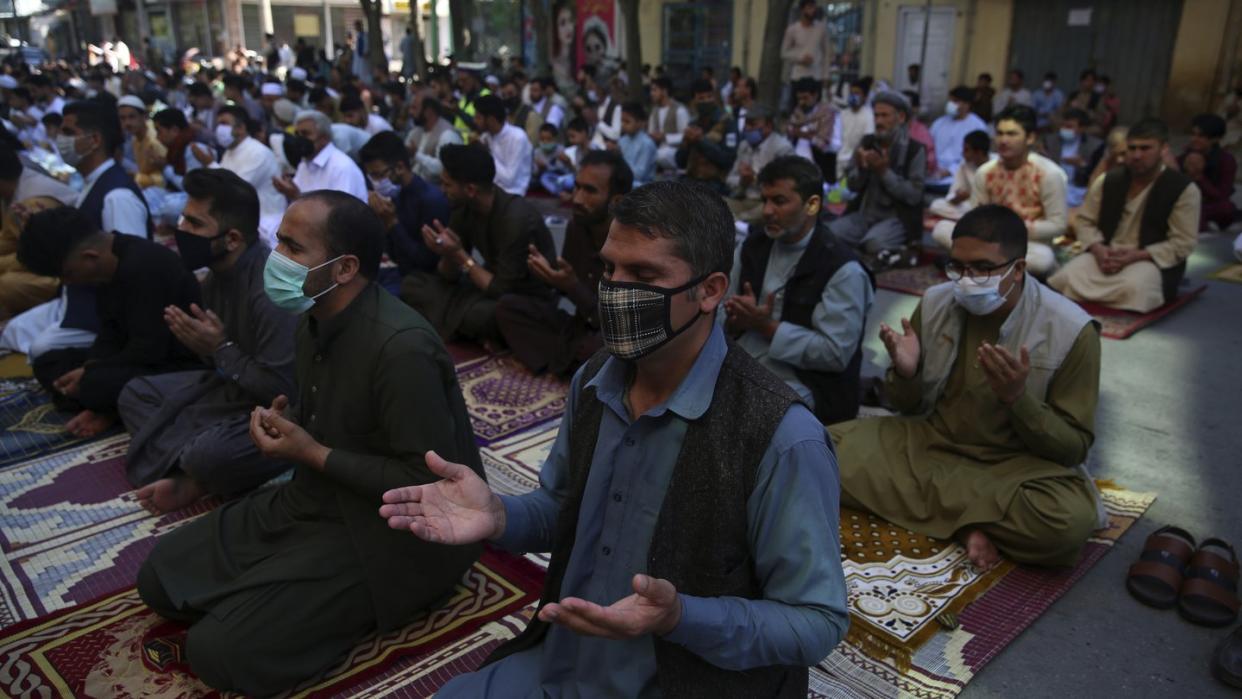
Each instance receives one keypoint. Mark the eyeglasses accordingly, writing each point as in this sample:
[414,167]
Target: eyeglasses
[975,271]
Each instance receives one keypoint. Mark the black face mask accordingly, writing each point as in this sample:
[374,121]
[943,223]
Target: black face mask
[196,251]
[512,104]
[296,148]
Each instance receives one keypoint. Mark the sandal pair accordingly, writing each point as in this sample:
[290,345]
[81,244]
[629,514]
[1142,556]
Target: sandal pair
[1202,580]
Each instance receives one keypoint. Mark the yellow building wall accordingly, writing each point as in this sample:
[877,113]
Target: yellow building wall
[651,19]
[979,45]
[1197,51]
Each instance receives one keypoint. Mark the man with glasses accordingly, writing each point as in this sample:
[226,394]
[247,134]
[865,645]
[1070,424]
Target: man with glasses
[997,378]
[403,201]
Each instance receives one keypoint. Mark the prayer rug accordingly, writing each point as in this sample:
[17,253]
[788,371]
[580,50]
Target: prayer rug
[504,398]
[1119,325]
[913,281]
[70,531]
[14,366]
[29,425]
[1228,273]
[115,647]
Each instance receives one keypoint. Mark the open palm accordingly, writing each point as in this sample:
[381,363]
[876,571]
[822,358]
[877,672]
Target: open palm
[460,509]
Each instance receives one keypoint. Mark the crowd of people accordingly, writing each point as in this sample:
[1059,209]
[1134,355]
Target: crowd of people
[197,257]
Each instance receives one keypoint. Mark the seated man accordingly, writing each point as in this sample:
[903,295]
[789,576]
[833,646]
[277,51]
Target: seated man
[815,127]
[1137,225]
[403,201]
[23,190]
[811,338]
[997,378]
[425,141]
[709,144]
[1073,148]
[1026,182]
[355,113]
[761,144]
[141,146]
[542,336]
[326,167]
[949,131]
[974,154]
[689,503]
[191,429]
[886,175]
[254,162]
[635,144]
[508,144]
[134,281]
[459,297]
[279,586]
[1212,169]
[667,122]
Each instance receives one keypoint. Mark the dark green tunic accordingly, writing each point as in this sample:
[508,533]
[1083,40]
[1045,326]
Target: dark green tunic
[282,583]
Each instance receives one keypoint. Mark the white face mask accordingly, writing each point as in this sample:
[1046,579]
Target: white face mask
[68,147]
[1048,85]
[224,135]
[951,109]
[981,298]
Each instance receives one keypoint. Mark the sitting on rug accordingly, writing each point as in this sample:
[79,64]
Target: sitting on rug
[134,281]
[1137,226]
[690,502]
[191,429]
[997,379]
[280,585]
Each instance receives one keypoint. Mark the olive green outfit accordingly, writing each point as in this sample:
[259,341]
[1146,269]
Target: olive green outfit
[279,585]
[974,462]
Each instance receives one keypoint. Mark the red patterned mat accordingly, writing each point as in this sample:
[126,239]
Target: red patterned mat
[913,281]
[1118,325]
[115,647]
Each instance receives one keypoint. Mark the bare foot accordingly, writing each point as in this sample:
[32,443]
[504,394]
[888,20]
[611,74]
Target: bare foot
[981,551]
[89,423]
[169,494]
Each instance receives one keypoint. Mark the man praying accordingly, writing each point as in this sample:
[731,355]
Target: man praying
[277,587]
[191,429]
[996,378]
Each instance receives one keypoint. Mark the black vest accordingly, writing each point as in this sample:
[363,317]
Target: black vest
[910,215]
[1154,224]
[836,394]
[700,543]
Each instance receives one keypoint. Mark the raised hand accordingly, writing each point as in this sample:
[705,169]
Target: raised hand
[744,312]
[654,608]
[903,348]
[441,239]
[1006,374]
[562,278]
[460,509]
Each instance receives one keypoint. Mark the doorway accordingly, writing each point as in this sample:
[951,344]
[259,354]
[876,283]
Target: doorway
[911,21]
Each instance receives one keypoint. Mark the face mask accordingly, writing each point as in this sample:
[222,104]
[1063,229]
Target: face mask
[952,109]
[1099,89]
[547,147]
[1068,135]
[283,280]
[296,148]
[67,145]
[980,299]
[224,135]
[196,251]
[1048,85]
[511,104]
[706,111]
[385,187]
[753,136]
[635,319]
[592,95]
[855,101]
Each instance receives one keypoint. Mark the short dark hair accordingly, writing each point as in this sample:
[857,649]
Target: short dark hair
[1149,128]
[549,128]
[807,178]
[99,118]
[693,216]
[1021,114]
[350,103]
[634,109]
[490,105]
[1210,125]
[294,85]
[198,90]
[985,76]
[1078,115]
[434,104]
[386,147]
[802,85]
[962,93]
[171,119]
[993,223]
[351,228]
[1018,72]
[49,237]
[751,84]
[663,83]
[234,203]
[1087,73]
[620,177]
[1051,75]
[469,164]
[978,140]
[579,124]
[10,165]
[23,92]
[317,95]
[239,113]
[701,86]
[54,119]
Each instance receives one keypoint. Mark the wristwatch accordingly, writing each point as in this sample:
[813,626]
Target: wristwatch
[469,265]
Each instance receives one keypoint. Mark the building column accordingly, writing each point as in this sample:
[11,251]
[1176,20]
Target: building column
[327,32]
[265,16]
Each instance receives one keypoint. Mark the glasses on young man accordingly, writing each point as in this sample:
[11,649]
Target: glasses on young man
[978,272]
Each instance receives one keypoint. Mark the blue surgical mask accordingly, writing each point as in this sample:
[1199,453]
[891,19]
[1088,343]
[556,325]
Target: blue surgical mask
[854,101]
[385,187]
[951,109]
[1069,135]
[981,298]
[283,280]
[753,136]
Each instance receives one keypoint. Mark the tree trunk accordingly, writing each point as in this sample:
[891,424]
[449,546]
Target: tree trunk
[633,49]
[459,18]
[770,64]
[543,31]
[375,36]
[420,53]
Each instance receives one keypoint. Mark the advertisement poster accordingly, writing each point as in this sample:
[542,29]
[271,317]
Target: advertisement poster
[596,34]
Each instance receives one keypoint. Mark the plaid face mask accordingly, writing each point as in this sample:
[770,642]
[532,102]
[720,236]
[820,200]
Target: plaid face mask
[636,319]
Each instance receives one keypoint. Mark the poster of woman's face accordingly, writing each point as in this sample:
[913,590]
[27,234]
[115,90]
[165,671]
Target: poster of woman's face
[594,43]
[564,28]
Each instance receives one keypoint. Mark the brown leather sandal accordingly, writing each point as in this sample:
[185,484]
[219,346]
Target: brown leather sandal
[1209,593]
[1157,576]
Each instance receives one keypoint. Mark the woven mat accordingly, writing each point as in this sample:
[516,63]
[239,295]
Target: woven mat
[1228,273]
[29,426]
[1119,325]
[913,281]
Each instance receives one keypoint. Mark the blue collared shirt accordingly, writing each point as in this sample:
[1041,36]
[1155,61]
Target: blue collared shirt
[793,536]
[418,204]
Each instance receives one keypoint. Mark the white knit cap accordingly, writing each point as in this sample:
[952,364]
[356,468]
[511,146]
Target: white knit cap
[272,90]
[132,101]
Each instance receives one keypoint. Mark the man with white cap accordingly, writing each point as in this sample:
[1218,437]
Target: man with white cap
[141,145]
[326,168]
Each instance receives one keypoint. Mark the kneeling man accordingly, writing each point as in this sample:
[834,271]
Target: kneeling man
[999,378]
[280,585]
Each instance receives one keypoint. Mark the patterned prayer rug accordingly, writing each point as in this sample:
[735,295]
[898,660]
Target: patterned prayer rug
[913,281]
[504,398]
[1119,325]
[116,647]
[1228,273]
[29,425]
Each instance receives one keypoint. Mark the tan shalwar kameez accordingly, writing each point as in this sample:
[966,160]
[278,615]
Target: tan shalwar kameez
[1137,287]
[974,462]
